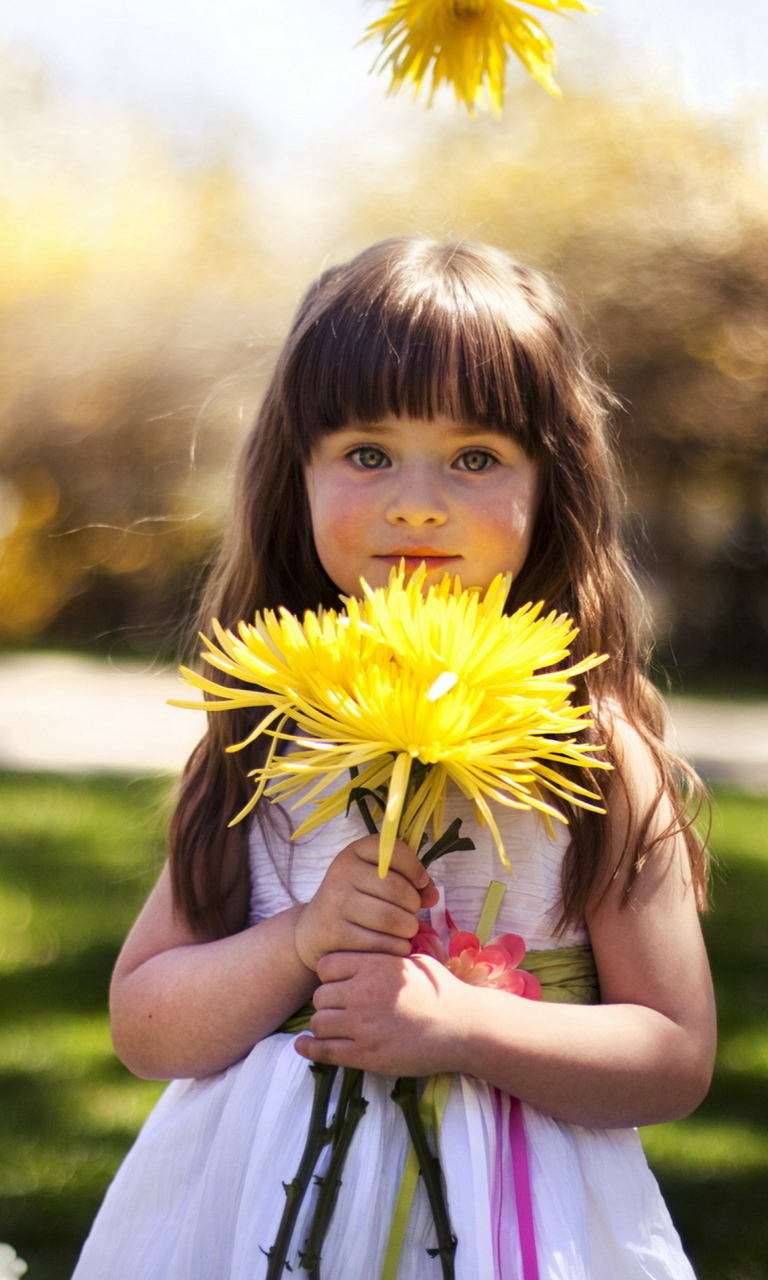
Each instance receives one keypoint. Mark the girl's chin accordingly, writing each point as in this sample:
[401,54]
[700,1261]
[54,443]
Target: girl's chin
[435,565]
[377,571]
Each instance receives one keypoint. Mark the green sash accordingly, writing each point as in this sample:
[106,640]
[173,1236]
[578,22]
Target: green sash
[567,974]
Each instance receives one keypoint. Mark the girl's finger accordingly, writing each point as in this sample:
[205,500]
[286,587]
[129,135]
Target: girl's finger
[381,916]
[329,996]
[394,888]
[338,1053]
[330,1024]
[404,860]
[430,896]
[357,937]
[337,966]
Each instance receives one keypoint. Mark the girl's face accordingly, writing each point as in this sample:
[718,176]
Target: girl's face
[460,497]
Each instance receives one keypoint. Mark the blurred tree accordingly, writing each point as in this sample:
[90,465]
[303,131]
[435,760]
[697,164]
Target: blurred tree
[127,285]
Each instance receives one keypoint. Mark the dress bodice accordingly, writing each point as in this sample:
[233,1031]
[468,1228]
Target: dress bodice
[285,871]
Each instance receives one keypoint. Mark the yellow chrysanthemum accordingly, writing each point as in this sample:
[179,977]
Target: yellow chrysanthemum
[465,43]
[445,678]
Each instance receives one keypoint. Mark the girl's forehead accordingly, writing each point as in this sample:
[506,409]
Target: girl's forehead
[404,424]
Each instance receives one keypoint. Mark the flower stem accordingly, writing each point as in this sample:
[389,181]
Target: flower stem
[349,1112]
[318,1135]
[358,795]
[404,1094]
[449,842]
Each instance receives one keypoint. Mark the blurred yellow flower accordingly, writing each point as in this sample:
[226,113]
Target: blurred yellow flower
[465,43]
[412,690]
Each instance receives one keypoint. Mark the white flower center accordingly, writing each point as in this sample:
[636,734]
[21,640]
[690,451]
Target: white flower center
[445,681]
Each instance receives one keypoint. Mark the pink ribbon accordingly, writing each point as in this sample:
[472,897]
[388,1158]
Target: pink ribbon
[522,1191]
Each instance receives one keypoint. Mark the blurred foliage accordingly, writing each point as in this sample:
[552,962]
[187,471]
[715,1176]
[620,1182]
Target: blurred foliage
[128,284]
[141,302]
[79,856]
[713,1167]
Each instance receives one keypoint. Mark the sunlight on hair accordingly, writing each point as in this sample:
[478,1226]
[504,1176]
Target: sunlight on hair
[465,43]
[443,680]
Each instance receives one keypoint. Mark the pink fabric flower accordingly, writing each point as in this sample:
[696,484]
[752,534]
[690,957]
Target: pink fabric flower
[492,966]
[427,943]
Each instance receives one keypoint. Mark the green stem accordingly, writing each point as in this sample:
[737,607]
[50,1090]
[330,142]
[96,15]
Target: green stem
[404,1094]
[365,812]
[349,1113]
[317,1137]
[449,842]
[352,1105]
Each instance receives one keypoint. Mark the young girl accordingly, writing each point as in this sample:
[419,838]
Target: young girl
[431,403]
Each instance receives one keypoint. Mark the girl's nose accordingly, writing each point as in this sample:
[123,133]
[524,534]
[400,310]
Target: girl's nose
[417,501]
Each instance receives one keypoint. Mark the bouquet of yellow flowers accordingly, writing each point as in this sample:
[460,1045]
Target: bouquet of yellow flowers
[408,690]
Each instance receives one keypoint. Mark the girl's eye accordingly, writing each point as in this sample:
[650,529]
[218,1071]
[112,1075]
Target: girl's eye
[368,457]
[476,460]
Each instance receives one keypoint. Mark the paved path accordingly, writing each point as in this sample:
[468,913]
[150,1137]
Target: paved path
[75,714]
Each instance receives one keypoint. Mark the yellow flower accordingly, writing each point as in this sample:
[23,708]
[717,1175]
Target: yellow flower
[445,679]
[465,43]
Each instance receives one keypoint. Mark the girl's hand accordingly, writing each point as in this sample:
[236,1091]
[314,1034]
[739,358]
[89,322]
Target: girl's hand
[355,910]
[386,1014]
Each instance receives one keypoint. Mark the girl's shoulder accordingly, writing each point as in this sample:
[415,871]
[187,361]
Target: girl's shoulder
[646,759]
[646,717]
[653,797]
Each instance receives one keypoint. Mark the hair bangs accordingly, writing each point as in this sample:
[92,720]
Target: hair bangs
[416,348]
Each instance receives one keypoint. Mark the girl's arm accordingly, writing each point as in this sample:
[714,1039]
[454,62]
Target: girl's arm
[181,1006]
[644,1055]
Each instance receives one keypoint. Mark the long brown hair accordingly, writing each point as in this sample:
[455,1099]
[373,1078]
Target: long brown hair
[414,328]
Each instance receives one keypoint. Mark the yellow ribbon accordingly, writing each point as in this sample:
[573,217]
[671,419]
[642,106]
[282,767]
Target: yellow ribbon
[485,924]
[434,1100]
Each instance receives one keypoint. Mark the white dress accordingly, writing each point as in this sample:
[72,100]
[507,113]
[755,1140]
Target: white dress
[200,1195]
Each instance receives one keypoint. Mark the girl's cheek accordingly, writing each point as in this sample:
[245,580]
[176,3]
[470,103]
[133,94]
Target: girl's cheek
[508,527]
[335,509]
[340,521]
[341,524]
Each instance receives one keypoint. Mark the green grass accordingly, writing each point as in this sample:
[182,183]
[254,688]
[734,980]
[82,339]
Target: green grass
[713,1167]
[78,858]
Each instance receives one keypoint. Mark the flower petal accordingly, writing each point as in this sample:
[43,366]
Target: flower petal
[427,942]
[513,945]
[464,942]
[532,986]
[398,789]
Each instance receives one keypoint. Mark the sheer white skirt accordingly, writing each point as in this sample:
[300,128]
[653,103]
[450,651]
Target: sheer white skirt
[200,1196]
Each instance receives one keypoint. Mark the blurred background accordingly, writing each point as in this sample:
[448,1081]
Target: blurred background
[172,177]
